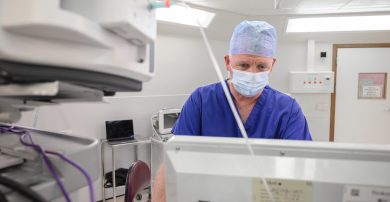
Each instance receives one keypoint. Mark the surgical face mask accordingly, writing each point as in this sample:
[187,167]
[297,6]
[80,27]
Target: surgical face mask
[249,84]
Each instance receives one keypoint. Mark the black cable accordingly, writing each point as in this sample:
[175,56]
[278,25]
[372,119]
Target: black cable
[22,189]
[2,197]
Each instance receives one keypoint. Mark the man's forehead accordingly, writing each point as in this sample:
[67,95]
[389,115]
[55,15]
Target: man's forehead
[250,58]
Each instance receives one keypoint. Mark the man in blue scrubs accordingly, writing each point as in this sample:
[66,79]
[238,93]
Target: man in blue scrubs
[264,111]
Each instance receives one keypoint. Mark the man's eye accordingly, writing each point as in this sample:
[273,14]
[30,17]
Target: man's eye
[262,67]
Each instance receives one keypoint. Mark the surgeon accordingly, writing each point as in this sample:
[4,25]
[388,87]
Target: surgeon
[264,111]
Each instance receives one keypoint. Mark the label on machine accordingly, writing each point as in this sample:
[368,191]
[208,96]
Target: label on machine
[282,190]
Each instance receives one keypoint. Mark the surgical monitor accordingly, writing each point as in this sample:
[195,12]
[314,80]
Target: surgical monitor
[209,169]
[166,120]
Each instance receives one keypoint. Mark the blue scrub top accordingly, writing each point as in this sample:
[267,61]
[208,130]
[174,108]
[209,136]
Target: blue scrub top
[275,116]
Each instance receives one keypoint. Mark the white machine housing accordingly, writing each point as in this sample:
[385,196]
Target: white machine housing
[113,40]
[211,169]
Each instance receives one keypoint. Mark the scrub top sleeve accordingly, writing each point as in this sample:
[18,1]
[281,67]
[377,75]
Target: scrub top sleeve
[189,121]
[297,127]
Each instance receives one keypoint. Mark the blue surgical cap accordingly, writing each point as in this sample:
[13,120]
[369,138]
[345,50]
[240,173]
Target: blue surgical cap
[255,38]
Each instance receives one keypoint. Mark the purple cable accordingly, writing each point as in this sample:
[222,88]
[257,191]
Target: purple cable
[66,159]
[49,165]
[90,186]
[39,149]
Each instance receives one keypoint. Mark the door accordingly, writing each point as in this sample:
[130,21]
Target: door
[361,120]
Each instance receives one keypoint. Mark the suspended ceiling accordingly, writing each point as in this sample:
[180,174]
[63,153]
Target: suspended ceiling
[230,12]
[282,7]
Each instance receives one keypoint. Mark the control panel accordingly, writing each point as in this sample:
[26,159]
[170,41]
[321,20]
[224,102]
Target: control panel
[312,82]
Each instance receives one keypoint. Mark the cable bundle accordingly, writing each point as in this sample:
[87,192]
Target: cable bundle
[26,140]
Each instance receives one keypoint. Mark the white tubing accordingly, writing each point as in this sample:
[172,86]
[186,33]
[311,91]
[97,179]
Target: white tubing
[230,101]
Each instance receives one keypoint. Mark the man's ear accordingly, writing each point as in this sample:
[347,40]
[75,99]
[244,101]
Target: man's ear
[273,64]
[227,62]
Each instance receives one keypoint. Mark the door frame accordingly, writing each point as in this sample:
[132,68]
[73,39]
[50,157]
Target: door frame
[334,69]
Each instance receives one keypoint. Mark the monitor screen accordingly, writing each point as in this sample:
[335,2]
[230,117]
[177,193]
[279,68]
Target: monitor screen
[221,169]
[170,119]
[167,119]
[119,130]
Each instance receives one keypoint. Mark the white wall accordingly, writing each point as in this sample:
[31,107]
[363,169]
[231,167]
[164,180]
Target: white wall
[182,64]
[292,57]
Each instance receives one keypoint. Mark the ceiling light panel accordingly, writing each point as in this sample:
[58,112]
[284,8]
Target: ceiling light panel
[183,15]
[329,24]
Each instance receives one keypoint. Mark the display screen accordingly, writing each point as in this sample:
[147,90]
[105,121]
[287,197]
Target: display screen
[119,130]
[170,119]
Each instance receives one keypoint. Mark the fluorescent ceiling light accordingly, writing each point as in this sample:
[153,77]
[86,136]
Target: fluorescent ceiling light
[182,15]
[329,24]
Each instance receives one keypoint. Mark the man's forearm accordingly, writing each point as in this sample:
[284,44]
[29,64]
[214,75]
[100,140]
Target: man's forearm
[159,194]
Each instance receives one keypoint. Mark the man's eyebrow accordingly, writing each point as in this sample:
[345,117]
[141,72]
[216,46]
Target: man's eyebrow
[242,62]
[247,62]
[262,63]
